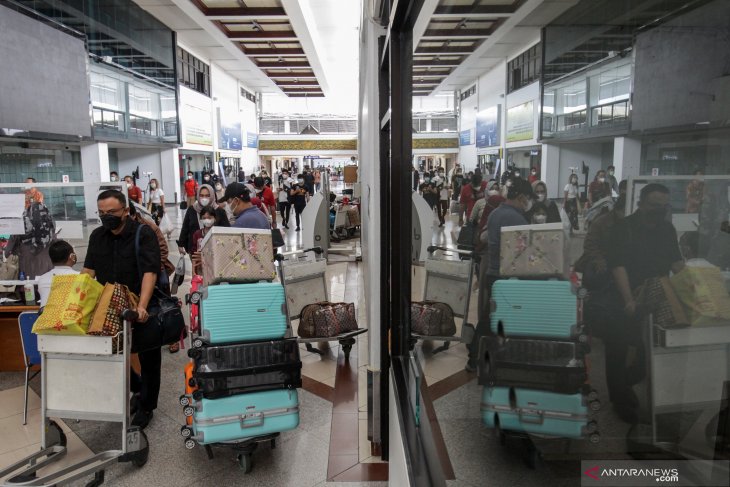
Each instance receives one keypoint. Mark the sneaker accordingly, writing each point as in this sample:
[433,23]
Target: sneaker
[286,226]
[297,229]
[142,418]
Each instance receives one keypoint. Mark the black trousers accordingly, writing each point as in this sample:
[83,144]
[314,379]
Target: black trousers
[298,211]
[284,211]
[483,327]
[148,383]
[625,360]
[443,209]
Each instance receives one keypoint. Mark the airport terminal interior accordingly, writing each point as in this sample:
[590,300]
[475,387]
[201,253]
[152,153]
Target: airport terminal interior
[455,243]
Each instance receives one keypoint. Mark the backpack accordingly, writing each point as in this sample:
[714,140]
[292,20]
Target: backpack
[40,229]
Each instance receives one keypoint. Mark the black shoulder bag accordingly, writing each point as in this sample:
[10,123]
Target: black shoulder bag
[166,323]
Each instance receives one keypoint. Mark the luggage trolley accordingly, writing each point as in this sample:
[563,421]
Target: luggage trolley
[449,281]
[244,447]
[305,283]
[82,377]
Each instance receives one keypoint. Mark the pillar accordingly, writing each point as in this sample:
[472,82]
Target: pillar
[626,157]
[95,169]
[170,174]
[550,170]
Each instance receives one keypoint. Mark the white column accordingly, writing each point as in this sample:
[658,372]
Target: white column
[550,169]
[95,168]
[626,157]
[170,174]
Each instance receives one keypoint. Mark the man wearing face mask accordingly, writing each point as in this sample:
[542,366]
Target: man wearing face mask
[238,199]
[266,195]
[113,176]
[133,192]
[642,246]
[298,195]
[611,179]
[510,213]
[112,257]
[191,188]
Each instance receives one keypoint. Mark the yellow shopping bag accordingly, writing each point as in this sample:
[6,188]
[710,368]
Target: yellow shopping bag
[70,305]
[704,295]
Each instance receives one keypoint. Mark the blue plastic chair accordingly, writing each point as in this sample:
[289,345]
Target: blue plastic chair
[31,355]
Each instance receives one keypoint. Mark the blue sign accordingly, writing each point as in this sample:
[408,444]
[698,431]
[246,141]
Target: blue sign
[465,137]
[229,134]
[252,140]
[488,127]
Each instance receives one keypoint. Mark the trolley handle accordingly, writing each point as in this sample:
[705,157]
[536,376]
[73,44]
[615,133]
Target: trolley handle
[432,248]
[130,315]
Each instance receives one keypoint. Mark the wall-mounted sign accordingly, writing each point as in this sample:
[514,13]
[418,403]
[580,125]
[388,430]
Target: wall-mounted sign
[229,133]
[466,137]
[198,128]
[521,122]
[65,178]
[252,140]
[488,127]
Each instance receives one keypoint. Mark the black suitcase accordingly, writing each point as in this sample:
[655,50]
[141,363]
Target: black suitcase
[227,370]
[548,365]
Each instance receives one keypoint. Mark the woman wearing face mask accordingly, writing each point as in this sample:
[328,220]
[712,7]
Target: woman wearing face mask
[598,189]
[470,194]
[219,190]
[191,188]
[570,200]
[551,208]
[156,201]
[192,220]
[533,175]
[209,218]
[538,214]
[298,195]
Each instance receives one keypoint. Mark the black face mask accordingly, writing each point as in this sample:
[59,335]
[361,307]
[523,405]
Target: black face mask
[110,222]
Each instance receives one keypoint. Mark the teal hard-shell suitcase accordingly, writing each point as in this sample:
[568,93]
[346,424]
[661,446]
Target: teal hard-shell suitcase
[244,416]
[539,309]
[539,413]
[232,313]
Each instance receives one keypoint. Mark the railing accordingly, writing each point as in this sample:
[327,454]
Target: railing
[608,115]
[108,119]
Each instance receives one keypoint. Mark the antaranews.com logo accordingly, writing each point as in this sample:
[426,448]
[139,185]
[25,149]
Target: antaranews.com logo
[675,473]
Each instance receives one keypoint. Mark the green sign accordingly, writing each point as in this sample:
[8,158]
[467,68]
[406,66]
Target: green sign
[521,122]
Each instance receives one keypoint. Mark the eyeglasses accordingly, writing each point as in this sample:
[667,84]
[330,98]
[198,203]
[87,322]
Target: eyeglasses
[111,212]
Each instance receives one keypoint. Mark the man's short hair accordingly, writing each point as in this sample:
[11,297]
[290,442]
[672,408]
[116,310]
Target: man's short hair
[652,188]
[130,177]
[258,182]
[60,251]
[113,193]
[519,187]
[32,179]
[114,172]
[623,185]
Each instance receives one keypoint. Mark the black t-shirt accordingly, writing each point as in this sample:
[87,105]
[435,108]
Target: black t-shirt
[298,200]
[113,257]
[643,250]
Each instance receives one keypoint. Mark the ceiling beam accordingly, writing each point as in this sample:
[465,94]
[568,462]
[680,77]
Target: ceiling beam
[283,64]
[456,33]
[302,90]
[306,75]
[305,95]
[269,35]
[301,83]
[433,62]
[267,52]
[257,13]
[445,50]
[477,9]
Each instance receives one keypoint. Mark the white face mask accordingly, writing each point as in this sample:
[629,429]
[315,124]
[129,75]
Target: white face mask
[541,197]
[493,192]
[153,186]
[300,181]
[574,182]
[129,185]
[508,183]
[534,172]
[113,178]
[601,180]
[540,218]
[218,187]
[517,174]
[206,178]
[204,201]
[208,222]
[190,176]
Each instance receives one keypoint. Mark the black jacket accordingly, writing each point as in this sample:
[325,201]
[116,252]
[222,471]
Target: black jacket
[191,223]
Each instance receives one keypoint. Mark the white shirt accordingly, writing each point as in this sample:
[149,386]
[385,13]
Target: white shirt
[44,281]
[283,195]
[155,195]
[444,193]
[572,191]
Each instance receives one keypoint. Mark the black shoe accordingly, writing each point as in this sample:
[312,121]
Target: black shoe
[297,229]
[471,365]
[286,226]
[142,418]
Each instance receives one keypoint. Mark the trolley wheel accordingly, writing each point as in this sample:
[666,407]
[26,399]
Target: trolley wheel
[186,432]
[195,297]
[583,338]
[139,458]
[592,395]
[194,353]
[591,427]
[347,349]
[98,479]
[582,293]
[56,435]
[594,438]
[245,461]
[189,444]
[188,411]
[192,382]
[198,395]
[184,400]
[197,343]
[595,405]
